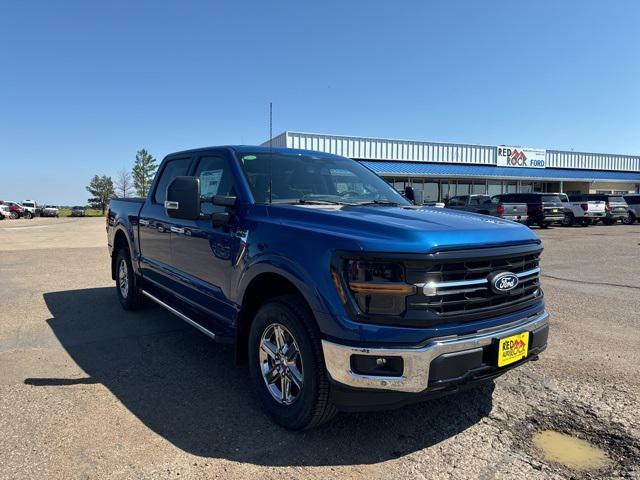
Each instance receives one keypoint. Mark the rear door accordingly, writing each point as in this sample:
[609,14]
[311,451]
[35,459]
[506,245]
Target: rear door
[155,224]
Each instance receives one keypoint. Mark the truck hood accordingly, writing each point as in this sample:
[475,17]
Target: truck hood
[405,229]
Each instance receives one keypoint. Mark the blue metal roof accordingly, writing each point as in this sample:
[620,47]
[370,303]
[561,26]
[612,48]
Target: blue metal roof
[459,170]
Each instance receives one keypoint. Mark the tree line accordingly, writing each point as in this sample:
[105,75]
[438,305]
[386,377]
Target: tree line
[126,184]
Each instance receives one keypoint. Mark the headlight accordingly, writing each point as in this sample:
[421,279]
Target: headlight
[378,288]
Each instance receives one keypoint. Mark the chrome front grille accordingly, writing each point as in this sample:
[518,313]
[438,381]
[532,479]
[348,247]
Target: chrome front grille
[458,288]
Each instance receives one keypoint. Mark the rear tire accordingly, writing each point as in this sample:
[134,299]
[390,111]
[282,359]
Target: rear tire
[585,222]
[608,221]
[14,215]
[28,215]
[568,220]
[306,403]
[544,224]
[127,289]
[629,219]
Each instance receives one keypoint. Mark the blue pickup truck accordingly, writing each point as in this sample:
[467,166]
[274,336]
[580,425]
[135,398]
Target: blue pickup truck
[338,292]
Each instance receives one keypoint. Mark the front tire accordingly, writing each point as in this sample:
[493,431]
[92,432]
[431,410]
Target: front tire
[608,221]
[28,215]
[544,224]
[127,289]
[586,222]
[14,215]
[287,365]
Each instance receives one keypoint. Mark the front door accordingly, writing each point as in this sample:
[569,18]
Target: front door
[155,225]
[203,255]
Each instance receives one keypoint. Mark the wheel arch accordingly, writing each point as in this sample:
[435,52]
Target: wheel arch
[260,288]
[120,240]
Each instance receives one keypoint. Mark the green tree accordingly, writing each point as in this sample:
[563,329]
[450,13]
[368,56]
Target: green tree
[143,171]
[101,189]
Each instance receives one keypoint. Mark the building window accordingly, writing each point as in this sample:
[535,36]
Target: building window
[479,188]
[431,192]
[494,188]
[463,188]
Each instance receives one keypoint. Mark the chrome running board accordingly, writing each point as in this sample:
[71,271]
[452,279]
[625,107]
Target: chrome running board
[180,315]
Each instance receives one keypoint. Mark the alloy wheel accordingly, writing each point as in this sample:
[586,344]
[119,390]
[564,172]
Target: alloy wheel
[123,279]
[281,364]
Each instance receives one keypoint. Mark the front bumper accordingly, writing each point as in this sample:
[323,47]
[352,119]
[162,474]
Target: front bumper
[448,360]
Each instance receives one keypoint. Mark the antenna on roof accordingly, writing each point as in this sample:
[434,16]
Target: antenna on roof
[270,148]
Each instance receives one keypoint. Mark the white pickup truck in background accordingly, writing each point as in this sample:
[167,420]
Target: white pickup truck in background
[579,210]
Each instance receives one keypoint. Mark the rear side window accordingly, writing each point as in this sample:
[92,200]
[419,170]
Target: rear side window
[172,169]
[479,200]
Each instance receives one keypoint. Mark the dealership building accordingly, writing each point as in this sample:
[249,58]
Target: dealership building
[438,171]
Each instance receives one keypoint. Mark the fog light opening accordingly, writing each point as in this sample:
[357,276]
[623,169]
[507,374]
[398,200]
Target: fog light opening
[373,365]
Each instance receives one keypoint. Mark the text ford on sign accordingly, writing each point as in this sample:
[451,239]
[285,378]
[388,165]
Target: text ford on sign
[521,157]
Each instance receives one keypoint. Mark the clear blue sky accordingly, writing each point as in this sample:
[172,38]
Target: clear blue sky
[83,85]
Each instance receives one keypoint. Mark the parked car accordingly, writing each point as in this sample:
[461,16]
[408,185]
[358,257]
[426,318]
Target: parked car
[31,207]
[543,209]
[17,211]
[485,205]
[339,299]
[4,211]
[50,211]
[616,207]
[633,215]
[579,210]
[78,211]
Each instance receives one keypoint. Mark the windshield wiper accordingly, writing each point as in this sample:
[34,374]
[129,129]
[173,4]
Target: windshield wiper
[378,202]
[320,202]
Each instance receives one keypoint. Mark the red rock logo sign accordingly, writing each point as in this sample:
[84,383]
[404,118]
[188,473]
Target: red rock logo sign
[517,158]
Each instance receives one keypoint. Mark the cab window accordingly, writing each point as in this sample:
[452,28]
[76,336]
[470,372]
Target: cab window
[215,179]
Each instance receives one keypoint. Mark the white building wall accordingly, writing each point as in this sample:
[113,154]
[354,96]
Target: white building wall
[437,152]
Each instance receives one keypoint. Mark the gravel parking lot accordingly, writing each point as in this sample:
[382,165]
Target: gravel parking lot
[90,391]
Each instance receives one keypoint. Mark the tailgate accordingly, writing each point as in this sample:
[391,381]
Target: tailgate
[514,209]
[596,206]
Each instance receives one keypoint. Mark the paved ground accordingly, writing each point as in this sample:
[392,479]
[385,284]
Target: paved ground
[90,391]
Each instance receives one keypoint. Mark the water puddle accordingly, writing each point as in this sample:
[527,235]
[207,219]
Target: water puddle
[569,451]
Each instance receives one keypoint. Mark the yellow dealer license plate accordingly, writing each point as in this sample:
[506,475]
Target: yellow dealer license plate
[512,349]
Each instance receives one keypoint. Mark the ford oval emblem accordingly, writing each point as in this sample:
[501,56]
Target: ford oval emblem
[503,282]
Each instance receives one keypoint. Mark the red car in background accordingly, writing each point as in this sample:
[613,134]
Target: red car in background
[16,210]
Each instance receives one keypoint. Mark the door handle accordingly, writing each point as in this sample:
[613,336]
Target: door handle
[177,230]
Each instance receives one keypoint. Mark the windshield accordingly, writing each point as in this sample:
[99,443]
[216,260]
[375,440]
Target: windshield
[550,198]
[616,199]
[299,178]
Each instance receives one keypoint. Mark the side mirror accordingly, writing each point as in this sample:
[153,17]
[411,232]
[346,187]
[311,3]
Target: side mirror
[183,198]
[220,219]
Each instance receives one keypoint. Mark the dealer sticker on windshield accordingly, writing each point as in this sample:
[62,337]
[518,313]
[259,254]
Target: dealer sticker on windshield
[512,349]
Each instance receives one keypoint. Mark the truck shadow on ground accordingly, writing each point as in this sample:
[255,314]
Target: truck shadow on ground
[187,388]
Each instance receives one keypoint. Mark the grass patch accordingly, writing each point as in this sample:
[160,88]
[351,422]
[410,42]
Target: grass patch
[89,212]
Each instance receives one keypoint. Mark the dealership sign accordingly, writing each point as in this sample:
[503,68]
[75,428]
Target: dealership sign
[521,157]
